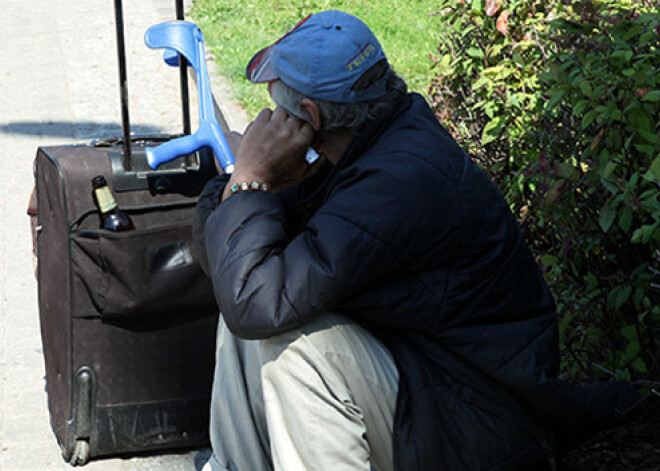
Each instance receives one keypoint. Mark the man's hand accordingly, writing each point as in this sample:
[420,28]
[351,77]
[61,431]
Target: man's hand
[273,151]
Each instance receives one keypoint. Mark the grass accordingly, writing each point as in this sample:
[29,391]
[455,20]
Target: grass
[235,31]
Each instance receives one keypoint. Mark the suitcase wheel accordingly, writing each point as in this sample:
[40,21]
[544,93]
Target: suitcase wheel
[80,454]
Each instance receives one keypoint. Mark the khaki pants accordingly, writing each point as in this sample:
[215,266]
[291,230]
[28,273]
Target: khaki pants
[321,397]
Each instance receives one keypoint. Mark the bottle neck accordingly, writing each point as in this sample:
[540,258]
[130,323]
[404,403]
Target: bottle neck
[105,199]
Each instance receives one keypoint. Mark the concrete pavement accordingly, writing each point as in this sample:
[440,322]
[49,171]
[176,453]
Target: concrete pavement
[58,85]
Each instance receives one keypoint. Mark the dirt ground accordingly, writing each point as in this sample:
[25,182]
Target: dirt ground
[633,447]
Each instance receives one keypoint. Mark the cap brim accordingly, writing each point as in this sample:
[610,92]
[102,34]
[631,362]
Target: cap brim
[259,69]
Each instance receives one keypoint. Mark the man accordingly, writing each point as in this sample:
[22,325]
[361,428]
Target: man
[380,309]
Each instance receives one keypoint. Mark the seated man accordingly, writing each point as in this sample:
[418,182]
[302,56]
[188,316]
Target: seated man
[380,309]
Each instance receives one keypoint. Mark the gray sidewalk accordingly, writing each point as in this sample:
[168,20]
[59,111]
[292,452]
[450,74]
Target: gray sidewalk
[59,85]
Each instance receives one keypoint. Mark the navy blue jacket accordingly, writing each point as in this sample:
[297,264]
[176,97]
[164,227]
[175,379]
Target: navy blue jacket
[407,236]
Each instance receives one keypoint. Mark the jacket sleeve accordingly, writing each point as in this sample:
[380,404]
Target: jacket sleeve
[209,199]
[266,282]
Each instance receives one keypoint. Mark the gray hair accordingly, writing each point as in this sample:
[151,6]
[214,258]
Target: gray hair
[335,116]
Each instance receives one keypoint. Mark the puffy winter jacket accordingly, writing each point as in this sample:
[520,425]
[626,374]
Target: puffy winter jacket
[407,236]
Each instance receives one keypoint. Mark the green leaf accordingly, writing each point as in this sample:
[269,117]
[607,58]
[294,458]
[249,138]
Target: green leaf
[625,219]
[632,183]
[638,118]
[617,115]
[475,52]
[524,44]
[591,280]
[647,38]
[609,185]
[494,71]
[654,170]
[644,233]
[466,31]
[568,63]
[579,107]
[650,193]
[548,260]
[567,171]
[649,136]
[490,108]
[570,25]
[623,56]
[623,374]
[622,296]
[647,149]
[585,88]
[589,118]
[491,130]
[639,364]
[555,98]
[606,217]
[632,31]
[611,297]
[610,167]
[652,96]
[555,72]
[629,332]
[633,350]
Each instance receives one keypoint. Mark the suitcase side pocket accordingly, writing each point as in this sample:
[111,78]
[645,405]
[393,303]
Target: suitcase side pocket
[135,273]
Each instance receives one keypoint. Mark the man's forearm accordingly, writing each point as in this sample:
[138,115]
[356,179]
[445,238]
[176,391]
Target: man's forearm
[246,238]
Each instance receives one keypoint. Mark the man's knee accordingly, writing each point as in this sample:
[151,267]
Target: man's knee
[323,333]
[331,345]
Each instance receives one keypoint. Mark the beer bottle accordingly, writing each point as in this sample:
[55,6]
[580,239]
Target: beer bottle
[112,218]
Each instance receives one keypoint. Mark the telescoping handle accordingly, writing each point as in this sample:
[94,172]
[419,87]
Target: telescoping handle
[127,162]
[183,77]
[123,87]
[186,39]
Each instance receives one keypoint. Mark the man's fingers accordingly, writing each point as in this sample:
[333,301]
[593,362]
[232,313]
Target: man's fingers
[279,115]
[264,115]
[291,120]
[307,132]
[302,133]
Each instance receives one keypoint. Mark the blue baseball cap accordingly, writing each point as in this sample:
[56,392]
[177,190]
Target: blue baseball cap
[322,57]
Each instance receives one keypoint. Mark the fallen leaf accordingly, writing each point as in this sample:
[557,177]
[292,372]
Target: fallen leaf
[503,22]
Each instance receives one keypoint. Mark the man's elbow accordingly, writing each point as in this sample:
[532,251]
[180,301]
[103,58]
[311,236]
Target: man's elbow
[248,327]
[245,332]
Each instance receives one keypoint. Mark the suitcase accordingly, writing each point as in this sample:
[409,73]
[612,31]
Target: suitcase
[128,319]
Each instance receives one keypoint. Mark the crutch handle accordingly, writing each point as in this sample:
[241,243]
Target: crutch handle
[186,39]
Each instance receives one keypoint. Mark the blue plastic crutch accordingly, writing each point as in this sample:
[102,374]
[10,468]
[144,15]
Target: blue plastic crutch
[185,38]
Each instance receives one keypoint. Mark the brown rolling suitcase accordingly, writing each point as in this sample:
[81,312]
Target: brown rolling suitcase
[128,319]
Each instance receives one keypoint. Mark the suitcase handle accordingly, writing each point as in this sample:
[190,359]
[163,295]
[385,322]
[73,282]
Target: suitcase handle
[123,87]
[183,76]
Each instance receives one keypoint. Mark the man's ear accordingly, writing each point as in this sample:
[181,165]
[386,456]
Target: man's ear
[310,108]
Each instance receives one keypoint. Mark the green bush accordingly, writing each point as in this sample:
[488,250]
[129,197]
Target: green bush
[602,171]
[561,108]
[486,91]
